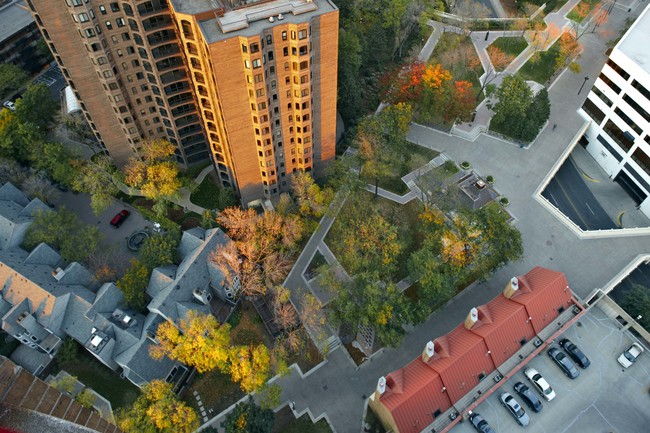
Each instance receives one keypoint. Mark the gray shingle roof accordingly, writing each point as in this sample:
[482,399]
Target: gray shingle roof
[14,17]
[16,213]
[193,272]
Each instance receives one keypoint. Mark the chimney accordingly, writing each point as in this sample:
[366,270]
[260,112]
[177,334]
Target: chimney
[511,288]
[472,318]
[202,295]
[428,352]
[381,386]
[271,19]
[58,273]
[280,17]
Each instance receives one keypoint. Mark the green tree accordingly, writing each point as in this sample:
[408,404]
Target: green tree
[36,106]
[65,383]
[99,178]
[155,173]
[12,79]
[249,418]
[55,159]
[133,285]
[271,396]
[537,114]
[514,99]
[381,140]
[158,250]
[17,139]
[637,303]
[64,231]
[68,352]
[366,300]
[312,200]
[200,342]
[157,410]
[365,240]
[349,89]
[86,398]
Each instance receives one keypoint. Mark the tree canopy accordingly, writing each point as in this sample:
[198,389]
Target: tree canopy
[99,178]
[158,250]
[155,172]
[518,113]
[258,256]
[133,284]
[249,418]
[36,106]
[12,78]
[158,410]
[64,231]
[200,342]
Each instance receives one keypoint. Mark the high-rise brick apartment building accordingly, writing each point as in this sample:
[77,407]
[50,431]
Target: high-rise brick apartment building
[250,82]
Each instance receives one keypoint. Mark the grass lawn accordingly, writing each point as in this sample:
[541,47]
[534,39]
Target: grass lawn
[404,217]
[541,70]
[285,422]
[415,156]
[209,195]
[120,392]
[578,17]
[512,46]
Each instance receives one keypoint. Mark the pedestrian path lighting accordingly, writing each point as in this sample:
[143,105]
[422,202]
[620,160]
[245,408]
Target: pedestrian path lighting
[583,84]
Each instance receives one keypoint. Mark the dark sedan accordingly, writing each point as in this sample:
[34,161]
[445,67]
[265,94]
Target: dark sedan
[479,423]
[575,353]
[563,361]
[528,397]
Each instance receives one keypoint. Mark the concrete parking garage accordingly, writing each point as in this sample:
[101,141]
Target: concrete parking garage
[604,398]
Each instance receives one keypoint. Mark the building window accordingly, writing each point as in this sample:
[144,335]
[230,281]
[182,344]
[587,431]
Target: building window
[115,7]
[257,63]
[269,40]
[618,69]
[284,36]
[593,111]
[302,34]
[632,103]
[102,9]
[629,121]
[610,83]
[642,158]
[90,33]
[109,25]
[602,96]
[645,92]
[625,140]
[255,48]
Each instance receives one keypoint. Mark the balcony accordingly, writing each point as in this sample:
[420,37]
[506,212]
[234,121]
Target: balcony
[153,7]
[173,76]
[157,23]
[169,63]
[161,37]
[187,120]
[180,99]
[165,51]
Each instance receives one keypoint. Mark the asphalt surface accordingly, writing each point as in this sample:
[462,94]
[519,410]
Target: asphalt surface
[604,398]
[568,192]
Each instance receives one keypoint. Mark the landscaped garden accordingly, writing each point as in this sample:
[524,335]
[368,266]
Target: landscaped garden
[541,67]
[285,422]
[415,157]
[509,46]
[210,195]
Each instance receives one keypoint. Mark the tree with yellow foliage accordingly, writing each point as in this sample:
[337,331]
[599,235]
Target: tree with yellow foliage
[155,173]
[249,418]
[158,410]
[250,366]
[200,342]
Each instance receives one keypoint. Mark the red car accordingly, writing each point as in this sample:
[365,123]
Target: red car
[119,218]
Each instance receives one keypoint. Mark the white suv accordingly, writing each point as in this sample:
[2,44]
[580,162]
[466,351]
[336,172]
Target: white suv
[10,105]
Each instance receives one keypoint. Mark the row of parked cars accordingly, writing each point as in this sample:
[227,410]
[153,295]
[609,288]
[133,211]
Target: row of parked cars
[565,361]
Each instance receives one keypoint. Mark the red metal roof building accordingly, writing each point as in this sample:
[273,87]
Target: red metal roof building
[410,399]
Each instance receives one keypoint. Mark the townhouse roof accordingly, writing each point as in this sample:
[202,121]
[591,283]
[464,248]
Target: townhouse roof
[16,212]
[14,17]
[416,394]
[176,298]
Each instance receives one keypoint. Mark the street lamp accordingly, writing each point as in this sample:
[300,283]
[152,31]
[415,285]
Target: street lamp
[583,84]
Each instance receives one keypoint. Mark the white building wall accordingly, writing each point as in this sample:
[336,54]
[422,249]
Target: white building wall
[614,158]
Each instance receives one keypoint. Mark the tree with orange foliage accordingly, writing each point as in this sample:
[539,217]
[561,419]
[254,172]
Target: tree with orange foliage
[435,76]
[542,38]
[461,101]
[404,84]
[569,49]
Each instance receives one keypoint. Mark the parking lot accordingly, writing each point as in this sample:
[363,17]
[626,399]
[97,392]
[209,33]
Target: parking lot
[604,398]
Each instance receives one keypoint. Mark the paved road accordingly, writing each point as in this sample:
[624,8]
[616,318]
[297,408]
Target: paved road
[569,193]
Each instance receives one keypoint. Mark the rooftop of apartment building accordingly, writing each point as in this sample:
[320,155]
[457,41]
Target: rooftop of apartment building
[249,17]
[14,16]
[634,42]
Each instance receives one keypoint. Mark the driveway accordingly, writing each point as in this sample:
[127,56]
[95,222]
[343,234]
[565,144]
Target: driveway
[605,397]
[113,237]
[568,192]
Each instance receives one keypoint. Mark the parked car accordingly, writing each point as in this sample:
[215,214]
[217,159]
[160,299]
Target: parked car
[515,409]
[540,383]
[479,423]
[563,361]
[10,105]
[528,397]
[120,218]
[575,353]
[630,356]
